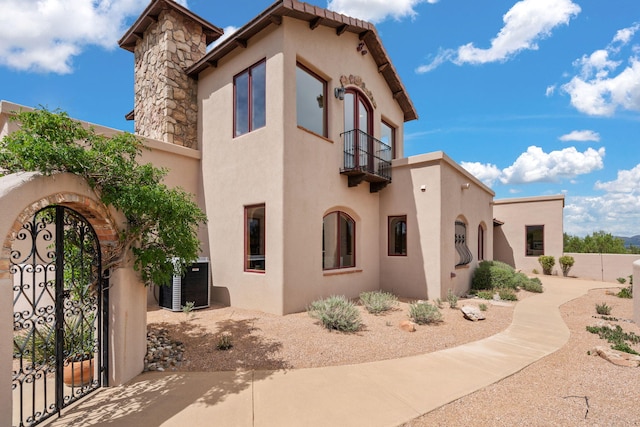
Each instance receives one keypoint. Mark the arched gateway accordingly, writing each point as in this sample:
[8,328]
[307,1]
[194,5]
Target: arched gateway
[55,236]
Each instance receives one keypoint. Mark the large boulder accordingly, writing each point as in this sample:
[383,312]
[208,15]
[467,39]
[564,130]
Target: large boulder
[472,313]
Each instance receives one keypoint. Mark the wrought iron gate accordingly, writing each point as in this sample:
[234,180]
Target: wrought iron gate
[58,318]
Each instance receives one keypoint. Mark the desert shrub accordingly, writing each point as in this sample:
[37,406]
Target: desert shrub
[438,302]
[603,309]
[547,262]
[617,337]
[485,294]
[452,299]
[507,294]
[621,280]
[423,313]
[336,312]
[377,302]
[492,274]
[519,280]
[482,307]
[625,292]
[225,341]
[533,285]
[535,271]
[566,262]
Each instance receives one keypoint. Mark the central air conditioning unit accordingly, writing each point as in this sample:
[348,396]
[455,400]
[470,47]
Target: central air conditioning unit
[192,286]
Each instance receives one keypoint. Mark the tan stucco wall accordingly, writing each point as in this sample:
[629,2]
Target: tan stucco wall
[243,171]
[293,171]
[127,337]
[510,238]
[428,270]
[605,267]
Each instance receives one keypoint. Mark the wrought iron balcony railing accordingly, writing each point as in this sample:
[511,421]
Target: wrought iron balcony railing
[366,159]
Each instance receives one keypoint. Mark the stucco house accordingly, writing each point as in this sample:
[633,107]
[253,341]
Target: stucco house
[290,133]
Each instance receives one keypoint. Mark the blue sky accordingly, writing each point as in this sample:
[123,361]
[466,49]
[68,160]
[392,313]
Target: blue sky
[536,97]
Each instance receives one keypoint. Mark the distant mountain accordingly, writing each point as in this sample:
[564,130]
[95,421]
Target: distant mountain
[628,241]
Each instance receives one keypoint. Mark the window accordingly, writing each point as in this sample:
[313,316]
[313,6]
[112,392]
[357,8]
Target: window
[535,240]
[338,241]
[254,238]
[388,136]
[464,254]
[249,99]
[480,243]
[311,100]
[397,235]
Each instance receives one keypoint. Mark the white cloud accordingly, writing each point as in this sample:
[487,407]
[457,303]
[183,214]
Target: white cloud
[527,22]
[628,181]
[45,35]
[597,90]
[487,173]
[376,10]
[617,211]
[581,135]
[550,90]
[228,31]
[537,166]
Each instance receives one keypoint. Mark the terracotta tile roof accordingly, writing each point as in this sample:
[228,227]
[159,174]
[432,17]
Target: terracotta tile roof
[315,16]
[150,15]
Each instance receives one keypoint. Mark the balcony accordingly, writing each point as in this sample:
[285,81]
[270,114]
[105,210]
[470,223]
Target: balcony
[366,159]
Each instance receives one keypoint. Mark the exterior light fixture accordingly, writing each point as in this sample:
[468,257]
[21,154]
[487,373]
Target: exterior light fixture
[339,92]
[465,186]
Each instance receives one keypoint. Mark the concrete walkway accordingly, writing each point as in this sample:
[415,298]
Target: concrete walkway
[385,393]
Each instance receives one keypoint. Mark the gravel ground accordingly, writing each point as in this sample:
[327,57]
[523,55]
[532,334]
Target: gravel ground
[555,390]
[567,388]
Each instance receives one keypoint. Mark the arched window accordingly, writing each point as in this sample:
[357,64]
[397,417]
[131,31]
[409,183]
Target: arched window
[480,242]
[338,241]
[397,238]
[464,254]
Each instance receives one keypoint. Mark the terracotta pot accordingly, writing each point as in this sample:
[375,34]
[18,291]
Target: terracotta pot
[77,374]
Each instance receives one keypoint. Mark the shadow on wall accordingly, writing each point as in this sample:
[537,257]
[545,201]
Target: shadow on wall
[220,295]
[502,251]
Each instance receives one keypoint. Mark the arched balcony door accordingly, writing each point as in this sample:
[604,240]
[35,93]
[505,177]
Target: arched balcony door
[358,117]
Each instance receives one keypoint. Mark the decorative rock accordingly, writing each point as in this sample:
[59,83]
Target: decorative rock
[408,326]
[616,357]
[162,352]
[472,313]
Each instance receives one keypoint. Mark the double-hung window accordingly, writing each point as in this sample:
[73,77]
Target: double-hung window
[311,101]
[338,241]
[249,99]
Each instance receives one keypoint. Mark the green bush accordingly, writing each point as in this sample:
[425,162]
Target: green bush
[533,285]
[452,299]
[621,280]
[566,262]
[336,312]
[617,337]
[377,302]
[492,274]
[423,313]
[507,294]
[603,309]
[519,280]
[485,294]
[482,307]
[547,262]
[626,292]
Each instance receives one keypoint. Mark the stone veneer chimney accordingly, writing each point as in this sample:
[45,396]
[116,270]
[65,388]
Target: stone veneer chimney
[166,40]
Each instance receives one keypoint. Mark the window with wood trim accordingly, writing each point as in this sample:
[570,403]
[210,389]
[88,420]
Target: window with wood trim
[464,256]
[397,236]
[535,240]
[311,101]
[249,103]
[254,238]
[480,243]
[338,241]
[388,136]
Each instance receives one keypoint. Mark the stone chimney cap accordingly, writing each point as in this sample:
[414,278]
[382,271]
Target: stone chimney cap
[150,15]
